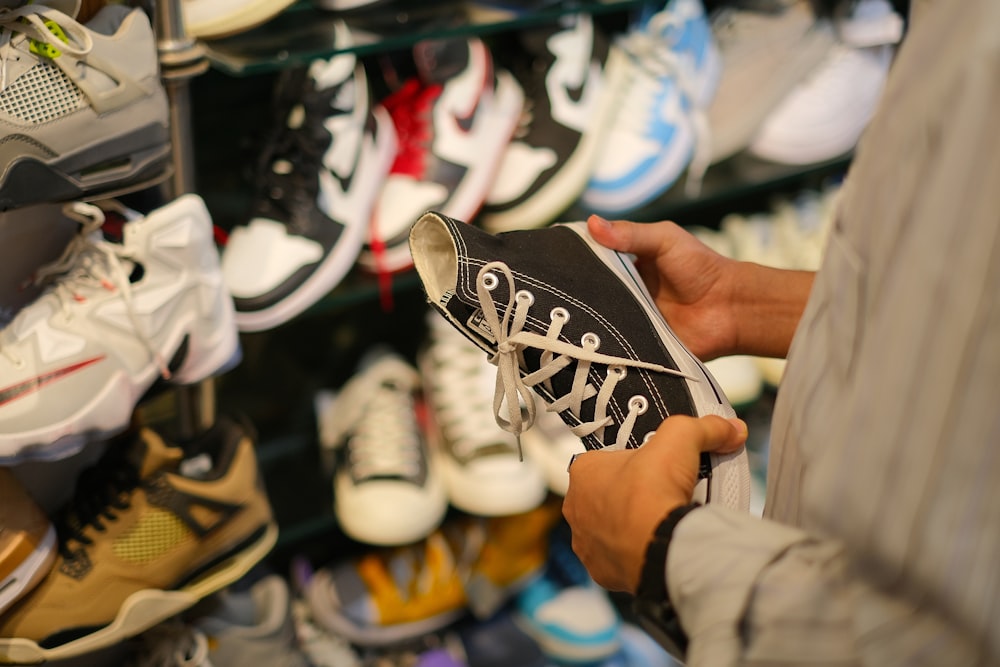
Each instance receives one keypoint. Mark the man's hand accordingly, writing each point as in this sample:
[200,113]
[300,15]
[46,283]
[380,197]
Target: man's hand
[715,305]
[616,499]
[689,281]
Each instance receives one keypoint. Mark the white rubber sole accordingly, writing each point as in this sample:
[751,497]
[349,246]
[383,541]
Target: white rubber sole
[483,495]
[143,609]
[399,516]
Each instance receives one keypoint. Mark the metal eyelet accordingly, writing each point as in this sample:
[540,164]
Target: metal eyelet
[490,281]
[525,295]
[639,403]
[559,313]
[592,339]
[620,371]
[648,436]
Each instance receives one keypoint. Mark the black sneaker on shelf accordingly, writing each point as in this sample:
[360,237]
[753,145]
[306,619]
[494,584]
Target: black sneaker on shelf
[582,332]
[319,180]
[568,103]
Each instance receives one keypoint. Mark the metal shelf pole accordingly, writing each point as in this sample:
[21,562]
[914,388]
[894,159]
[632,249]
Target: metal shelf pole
[181,59]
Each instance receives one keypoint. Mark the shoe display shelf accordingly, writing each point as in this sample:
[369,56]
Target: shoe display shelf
[232,115]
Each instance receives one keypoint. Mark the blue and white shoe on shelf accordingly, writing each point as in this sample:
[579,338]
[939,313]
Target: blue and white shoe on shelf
[572,619]
[684,26]
[670,68]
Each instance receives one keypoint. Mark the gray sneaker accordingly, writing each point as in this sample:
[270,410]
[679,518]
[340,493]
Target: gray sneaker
[233,628]
[581,332]
[82,106]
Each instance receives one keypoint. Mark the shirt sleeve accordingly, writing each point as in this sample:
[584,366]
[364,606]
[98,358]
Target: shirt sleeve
[882,543]
[751,591]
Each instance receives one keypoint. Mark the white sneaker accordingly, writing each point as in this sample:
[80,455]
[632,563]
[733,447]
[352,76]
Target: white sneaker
[772,369]
[670,72]
[115,318]
[551,444]
[483,470]
[83,110]
[824,116]
[387,487]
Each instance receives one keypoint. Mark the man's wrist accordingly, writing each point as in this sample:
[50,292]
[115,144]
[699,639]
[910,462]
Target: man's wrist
[652,578]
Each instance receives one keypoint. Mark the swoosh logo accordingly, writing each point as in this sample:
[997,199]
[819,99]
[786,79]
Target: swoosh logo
[478,60]
[456,139]
[574,79]
[14,392]
[341,196]
[346,130]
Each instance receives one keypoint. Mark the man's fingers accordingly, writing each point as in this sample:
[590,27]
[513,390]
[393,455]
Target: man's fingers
[639,239]
[707,434]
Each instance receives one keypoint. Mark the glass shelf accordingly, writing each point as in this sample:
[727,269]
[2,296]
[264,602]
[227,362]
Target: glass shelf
[304,32]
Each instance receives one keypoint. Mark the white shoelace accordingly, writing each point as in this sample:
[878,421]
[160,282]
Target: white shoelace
[37,22]
[378,407]
[87,263]
[556,355]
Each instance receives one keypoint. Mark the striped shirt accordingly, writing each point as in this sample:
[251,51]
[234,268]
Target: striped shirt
[881,538]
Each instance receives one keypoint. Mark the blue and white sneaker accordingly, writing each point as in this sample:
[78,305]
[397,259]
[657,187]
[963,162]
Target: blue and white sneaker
[684,27]
[671,70]
[572,619]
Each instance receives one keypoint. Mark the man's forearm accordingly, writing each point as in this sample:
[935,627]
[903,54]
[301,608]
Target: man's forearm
[768,304]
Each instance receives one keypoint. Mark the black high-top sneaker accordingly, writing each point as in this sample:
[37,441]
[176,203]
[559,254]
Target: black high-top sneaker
[318,182]
[582,332]
[568,104]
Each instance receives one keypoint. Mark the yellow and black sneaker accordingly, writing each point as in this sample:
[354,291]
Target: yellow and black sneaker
[152,529]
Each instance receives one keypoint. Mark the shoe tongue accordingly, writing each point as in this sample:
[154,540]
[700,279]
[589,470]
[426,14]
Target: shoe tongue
[152,454]
[439,60]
